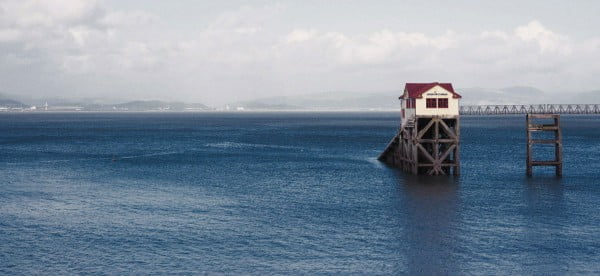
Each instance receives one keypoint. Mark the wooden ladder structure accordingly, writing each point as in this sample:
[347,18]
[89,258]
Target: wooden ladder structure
[557,141]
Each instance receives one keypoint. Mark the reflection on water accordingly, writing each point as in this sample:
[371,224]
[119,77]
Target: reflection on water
[543,228]
[431,211]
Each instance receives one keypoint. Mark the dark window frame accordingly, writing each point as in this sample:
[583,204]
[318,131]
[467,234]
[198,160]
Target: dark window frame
[442,103]
[431,103]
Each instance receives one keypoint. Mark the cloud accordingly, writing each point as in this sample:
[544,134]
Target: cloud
[40,13]
[547,41]
[491,47]
[297,36]
[379,47]
[73,36]
[531,54]
[133,19]
[84,48]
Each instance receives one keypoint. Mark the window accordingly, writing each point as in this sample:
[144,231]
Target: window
[442,103]
[431,103]
[403,114]
[414,103]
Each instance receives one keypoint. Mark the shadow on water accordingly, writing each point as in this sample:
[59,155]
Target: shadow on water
[545,219]
[430,205]
[544,196]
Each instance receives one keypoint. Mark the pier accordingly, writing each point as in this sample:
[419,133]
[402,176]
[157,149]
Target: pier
[428,141]
[530,109]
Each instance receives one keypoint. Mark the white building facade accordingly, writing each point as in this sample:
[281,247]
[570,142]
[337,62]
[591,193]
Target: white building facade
[429,99]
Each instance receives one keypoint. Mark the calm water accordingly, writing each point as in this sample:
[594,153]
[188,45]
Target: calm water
[286,193]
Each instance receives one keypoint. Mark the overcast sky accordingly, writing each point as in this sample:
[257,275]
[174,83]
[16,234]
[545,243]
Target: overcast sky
[216,52]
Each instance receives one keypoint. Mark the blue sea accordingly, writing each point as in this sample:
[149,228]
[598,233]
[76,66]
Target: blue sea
[286,193]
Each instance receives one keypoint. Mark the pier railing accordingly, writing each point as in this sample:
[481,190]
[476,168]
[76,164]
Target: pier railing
[530,109]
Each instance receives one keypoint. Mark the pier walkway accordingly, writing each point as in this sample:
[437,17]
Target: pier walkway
[530,109]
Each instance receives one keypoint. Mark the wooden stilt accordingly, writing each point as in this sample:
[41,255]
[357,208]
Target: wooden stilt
[432,149]
[557,141]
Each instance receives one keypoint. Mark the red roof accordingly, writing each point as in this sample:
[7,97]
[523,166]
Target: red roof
[416,90]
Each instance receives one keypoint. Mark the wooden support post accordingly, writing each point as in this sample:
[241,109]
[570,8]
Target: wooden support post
[430,145]
[557,141]
[558,147]
[437,163]
[529,147]
[415,150]
[457,148]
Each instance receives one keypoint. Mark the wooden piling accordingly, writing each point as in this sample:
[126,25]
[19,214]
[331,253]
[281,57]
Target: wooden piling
[426,145]
[557,141]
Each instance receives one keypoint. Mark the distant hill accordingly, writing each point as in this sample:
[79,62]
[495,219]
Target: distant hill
[522,90]
[326,101]
[259,105]
[148,105]
[9,103]
[584,97]
[388,100]
[157,106]
[332,100]
[508,95]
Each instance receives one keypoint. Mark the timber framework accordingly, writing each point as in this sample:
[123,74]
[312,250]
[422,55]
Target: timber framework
[535,127]
[429,145]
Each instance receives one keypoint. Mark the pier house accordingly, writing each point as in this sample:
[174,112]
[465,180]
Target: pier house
[429,99]
[428,141]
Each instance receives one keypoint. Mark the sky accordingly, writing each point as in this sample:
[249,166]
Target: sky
[217,52]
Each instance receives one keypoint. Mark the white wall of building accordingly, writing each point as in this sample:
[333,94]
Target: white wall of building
[409,113]
[437,92]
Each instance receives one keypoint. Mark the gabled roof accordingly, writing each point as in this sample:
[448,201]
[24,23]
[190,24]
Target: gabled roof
[416,90]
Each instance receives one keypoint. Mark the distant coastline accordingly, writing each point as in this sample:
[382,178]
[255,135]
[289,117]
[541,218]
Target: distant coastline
[203,111]
[332,101]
